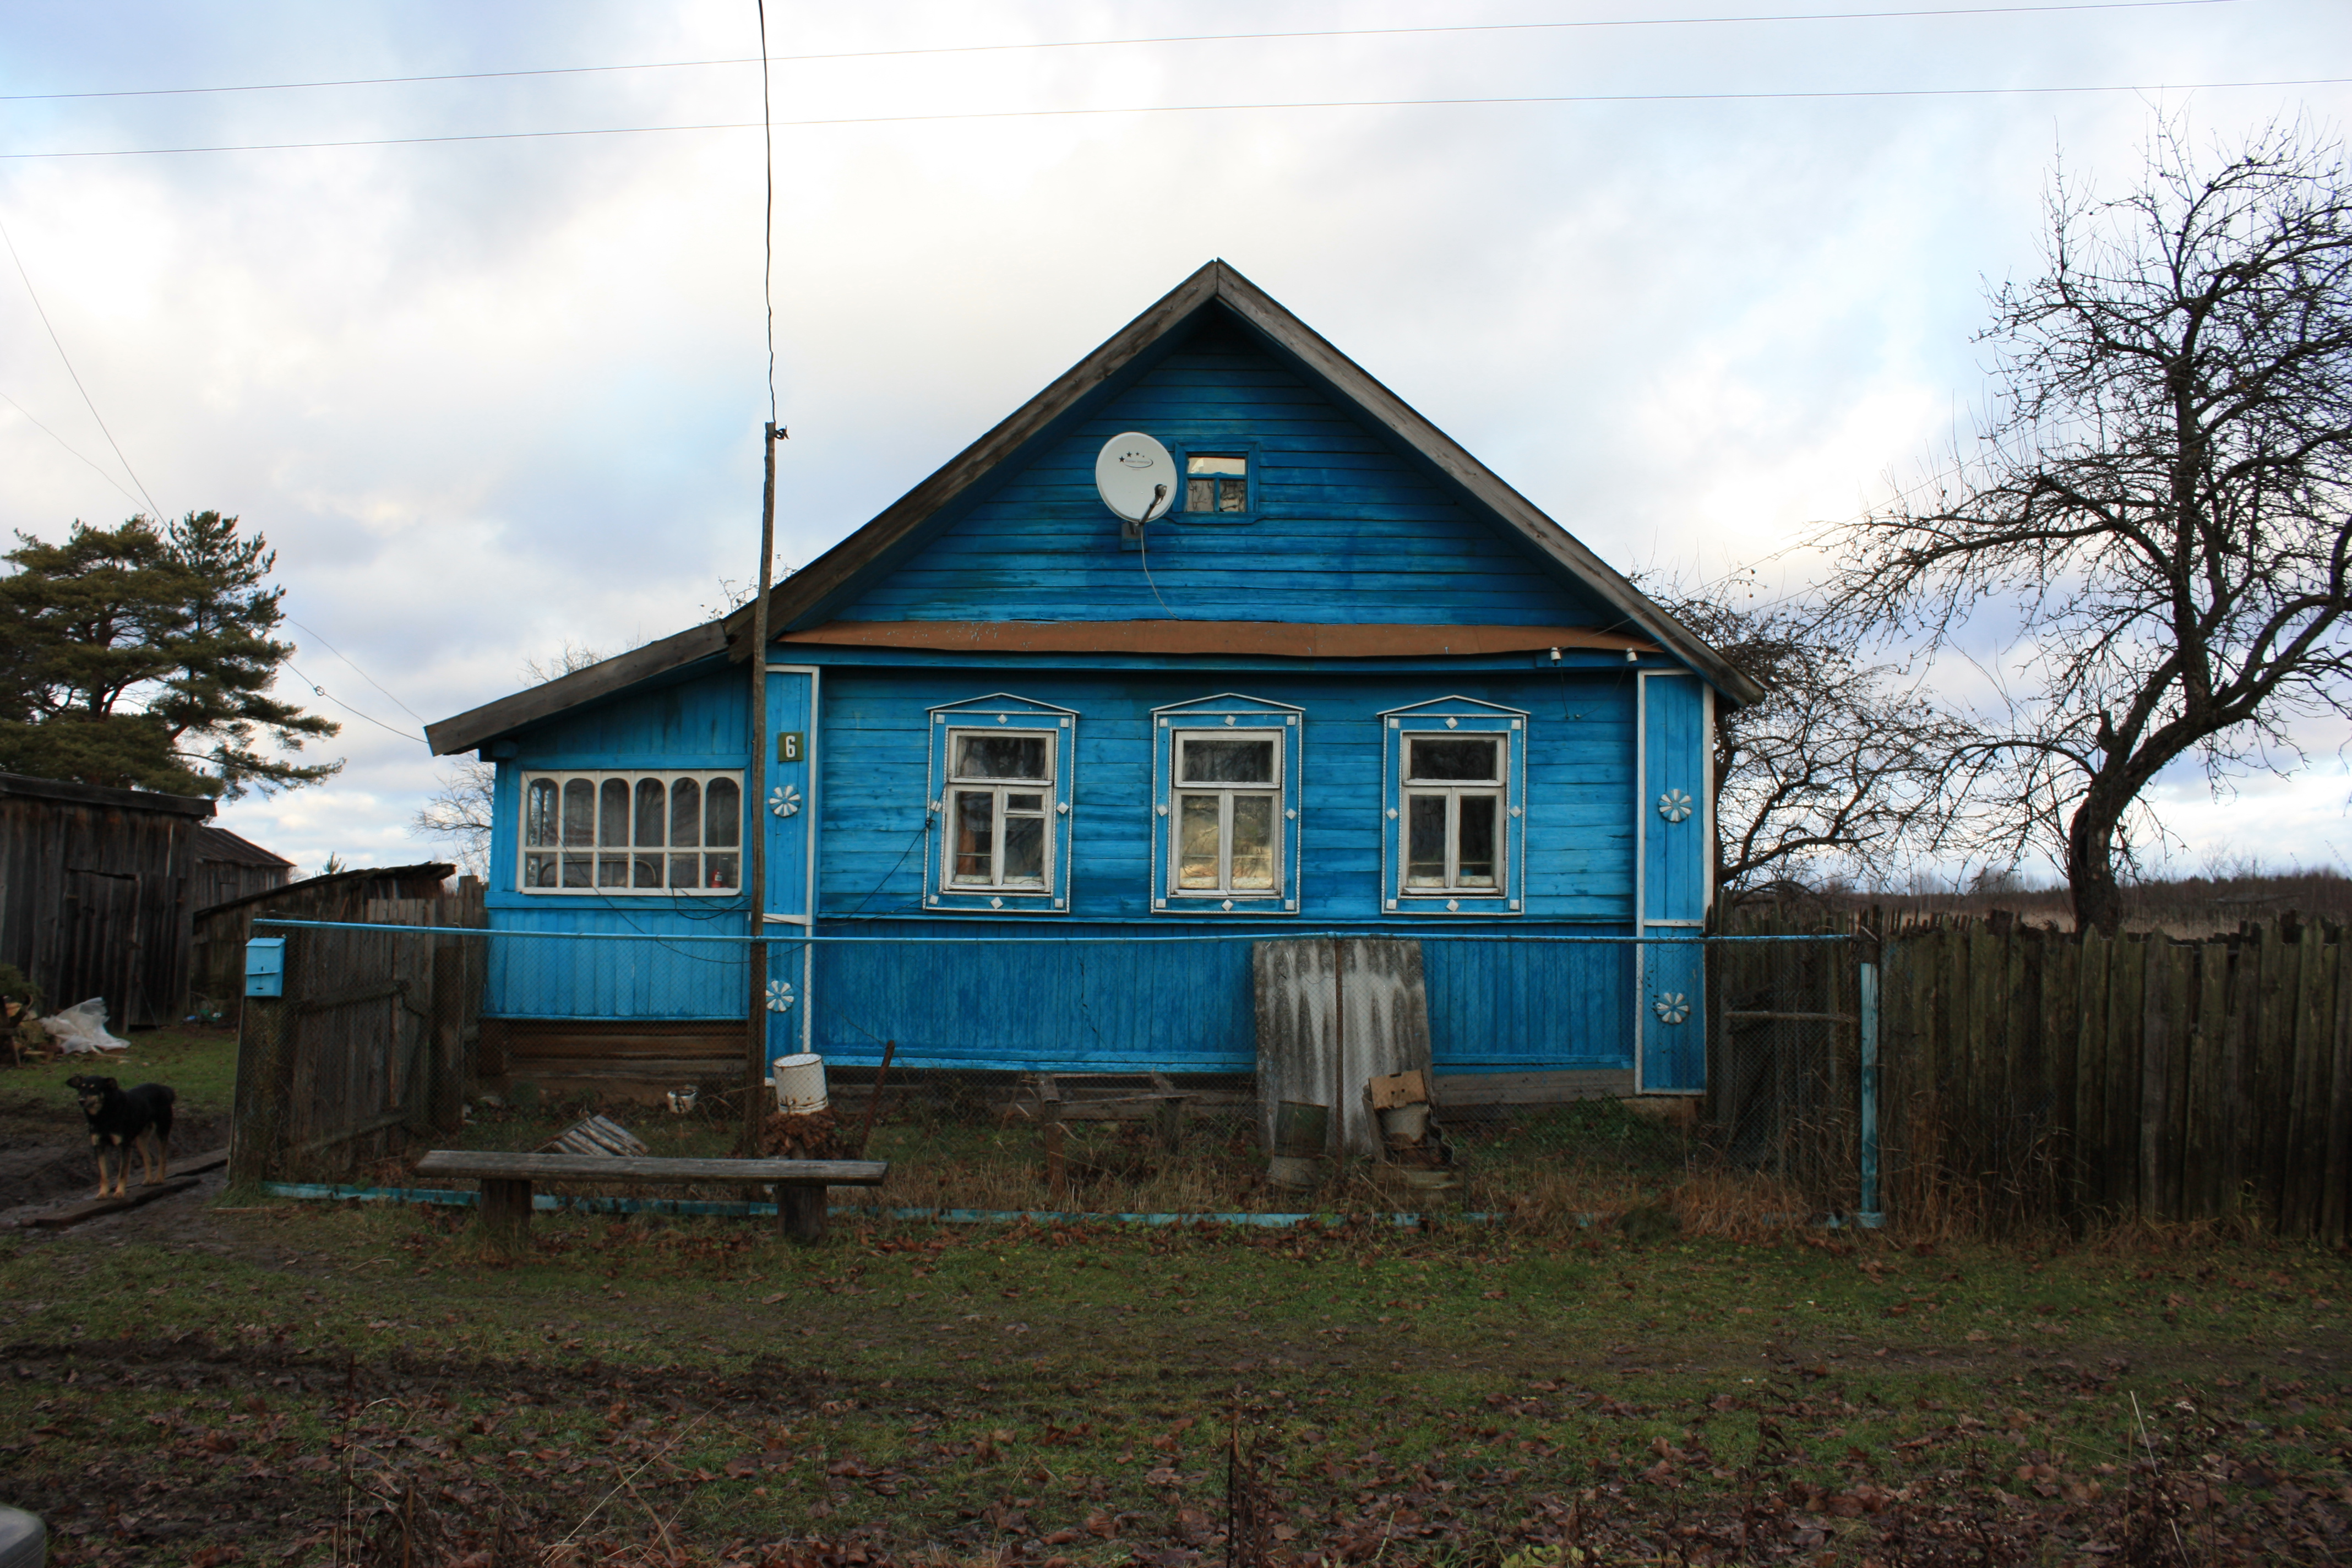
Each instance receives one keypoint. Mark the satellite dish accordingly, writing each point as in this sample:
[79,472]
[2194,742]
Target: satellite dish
[1136,476]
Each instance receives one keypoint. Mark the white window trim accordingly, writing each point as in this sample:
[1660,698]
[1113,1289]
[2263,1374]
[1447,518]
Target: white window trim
[1467,717]
[996,789]
[1001,713]
[1226,714]
[597,779]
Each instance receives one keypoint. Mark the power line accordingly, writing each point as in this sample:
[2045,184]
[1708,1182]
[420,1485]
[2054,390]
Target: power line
[154,511]
[1822,95]
[762,59]
[347,708]
[69,447]
[363,675]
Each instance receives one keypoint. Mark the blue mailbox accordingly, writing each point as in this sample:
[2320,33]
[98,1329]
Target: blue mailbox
[264,966]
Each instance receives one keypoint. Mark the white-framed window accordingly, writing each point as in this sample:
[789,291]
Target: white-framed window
[1000,773]
[1225,807]
[1454,778]
[671,831]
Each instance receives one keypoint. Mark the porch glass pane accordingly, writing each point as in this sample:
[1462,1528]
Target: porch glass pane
[975,836]
[686,815]
[1253,868]
[579,815]
[651,797]
[1449,759]
[612,870]
[1001,757]
[539,813]
[613,813]
[1024,851]
[1474,862]
[685,870]
[1425,842]
[722,809]
[577,870]
[1196,841]
[722,870]
[649,867]
[538,870]
[1228,762]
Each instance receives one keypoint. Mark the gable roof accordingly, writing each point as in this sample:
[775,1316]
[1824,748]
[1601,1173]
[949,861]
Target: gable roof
[804,599]
[220,844]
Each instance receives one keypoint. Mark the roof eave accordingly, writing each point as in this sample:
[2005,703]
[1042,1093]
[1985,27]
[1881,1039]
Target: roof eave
[472,728]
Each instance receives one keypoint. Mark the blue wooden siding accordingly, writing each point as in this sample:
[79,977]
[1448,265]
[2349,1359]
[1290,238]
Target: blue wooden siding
[1345,529]
[1673,1019]
[1106,1002]
[1674,760]
[873,829]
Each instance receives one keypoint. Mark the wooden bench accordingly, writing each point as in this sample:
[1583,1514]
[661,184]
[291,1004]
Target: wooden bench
[507,1181]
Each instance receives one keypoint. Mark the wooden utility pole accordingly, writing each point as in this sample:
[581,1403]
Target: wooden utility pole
[755,855]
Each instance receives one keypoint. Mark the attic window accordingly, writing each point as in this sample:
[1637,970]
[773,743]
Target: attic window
[1216,482]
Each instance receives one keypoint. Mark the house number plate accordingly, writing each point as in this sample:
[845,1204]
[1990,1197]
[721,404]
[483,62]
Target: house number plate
[788,746]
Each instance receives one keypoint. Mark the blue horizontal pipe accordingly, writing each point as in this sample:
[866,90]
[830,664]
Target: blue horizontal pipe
[780,940]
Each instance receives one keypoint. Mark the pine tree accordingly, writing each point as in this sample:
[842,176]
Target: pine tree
[143,659]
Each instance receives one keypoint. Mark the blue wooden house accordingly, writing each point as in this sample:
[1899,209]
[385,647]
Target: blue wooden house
[1353,682]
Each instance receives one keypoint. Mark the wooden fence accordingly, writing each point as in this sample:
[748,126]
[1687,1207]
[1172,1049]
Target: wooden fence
[370,1048]
[2035,1075]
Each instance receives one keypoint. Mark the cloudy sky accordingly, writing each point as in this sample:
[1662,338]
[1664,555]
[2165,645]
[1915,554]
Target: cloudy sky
[1696,274]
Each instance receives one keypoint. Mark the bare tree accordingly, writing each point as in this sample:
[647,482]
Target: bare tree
[1843,768]
[2155,513]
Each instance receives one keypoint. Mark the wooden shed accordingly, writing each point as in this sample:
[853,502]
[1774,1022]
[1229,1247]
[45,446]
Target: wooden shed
[229,867]
[217,971]
[94,893]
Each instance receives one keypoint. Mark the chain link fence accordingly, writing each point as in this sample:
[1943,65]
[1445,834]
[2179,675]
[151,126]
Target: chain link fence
[1113,1074]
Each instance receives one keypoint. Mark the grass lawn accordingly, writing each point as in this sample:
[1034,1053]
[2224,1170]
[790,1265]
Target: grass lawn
[306,1382]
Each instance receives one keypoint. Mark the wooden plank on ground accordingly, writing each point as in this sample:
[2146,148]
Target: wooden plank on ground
[508,1165]
[91,1208]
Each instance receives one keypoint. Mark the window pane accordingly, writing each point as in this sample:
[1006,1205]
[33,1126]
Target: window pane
[1448,759]
[1199,495]
[1233,495]
[649,867]
[686,815]
[1228,762]
[1196,841]
[1424,847]
[1216,464]
[613,813]
[538,870]
[1024,851]
[1252,843]
[612,870]
[1025,803]
[579,815]
[722,807]
[577,870]
[722,870]
[1001,757]
[539,812]
[975,836]
[685,871]
[649,818]
[1474,824]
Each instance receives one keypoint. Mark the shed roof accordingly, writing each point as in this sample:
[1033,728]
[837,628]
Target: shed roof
[220,844]
[802,603]
[68,791]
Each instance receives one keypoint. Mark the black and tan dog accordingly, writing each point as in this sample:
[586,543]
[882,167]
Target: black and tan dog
[122,1120]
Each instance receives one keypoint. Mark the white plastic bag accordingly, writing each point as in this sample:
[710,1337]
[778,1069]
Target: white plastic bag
[82,1028]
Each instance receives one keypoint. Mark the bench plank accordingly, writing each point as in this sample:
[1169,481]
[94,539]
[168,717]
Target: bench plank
[503,1165]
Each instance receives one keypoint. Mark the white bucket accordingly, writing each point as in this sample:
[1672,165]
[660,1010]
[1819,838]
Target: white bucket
[800,1084]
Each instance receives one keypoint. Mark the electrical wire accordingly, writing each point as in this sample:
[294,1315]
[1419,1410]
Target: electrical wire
[155,511]
[363,675]
[347,708]
[69,447]
[764,59]
[1818,95]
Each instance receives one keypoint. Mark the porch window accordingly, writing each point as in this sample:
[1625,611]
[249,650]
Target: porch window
[632,833]
[1000,796]
[1456,802]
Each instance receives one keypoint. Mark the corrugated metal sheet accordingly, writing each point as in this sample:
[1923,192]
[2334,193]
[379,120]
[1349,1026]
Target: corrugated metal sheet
[1330,1017]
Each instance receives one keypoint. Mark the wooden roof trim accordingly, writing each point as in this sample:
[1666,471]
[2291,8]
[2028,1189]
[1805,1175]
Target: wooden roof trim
[24,784]
[476,725]
[1283,640]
